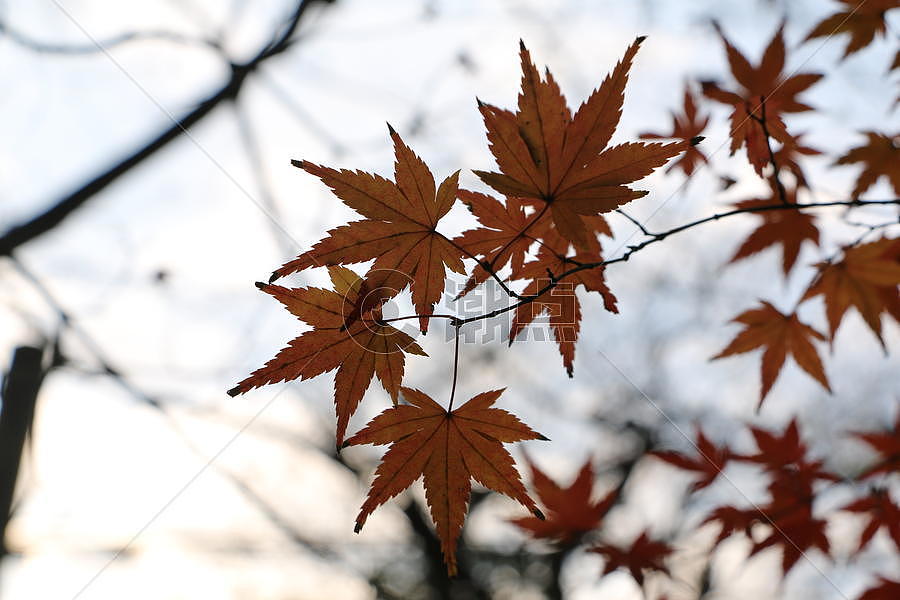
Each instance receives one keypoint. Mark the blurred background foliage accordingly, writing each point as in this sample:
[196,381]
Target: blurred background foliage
[146,184]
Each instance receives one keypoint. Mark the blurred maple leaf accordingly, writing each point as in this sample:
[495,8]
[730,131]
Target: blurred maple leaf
[887,444]
[880,157]
[643,555]
[709,462]
[359,347]
[788,155]
[570,511]
[788,228]
[780,335]
[789,511]
[685,126]
[448,448]
[560,161]
[399,230]
[765,94]
[882,512]
[887,589]
[862,20]
[867,278]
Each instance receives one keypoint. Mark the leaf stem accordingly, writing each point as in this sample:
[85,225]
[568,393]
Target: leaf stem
[652,239]
[457,324]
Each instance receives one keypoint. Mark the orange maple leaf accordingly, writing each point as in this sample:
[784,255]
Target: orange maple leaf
[448,448]
[643,555]
[788,155]
[789,228]
[765,95]
[561,302]
[399,230]
[685,126]
[780,335]
[500,240]
[560,161]
[570,511]
[881,156]
[866,278]
[862,20]
[359,347]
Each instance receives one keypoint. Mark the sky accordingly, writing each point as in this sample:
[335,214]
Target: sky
[157,272]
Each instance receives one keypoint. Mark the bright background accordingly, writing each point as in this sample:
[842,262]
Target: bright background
[215,497]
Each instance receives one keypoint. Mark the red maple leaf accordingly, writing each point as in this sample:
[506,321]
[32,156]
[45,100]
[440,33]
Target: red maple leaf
[709,462]
[788,155]
[861,20]
[780,335]
[501,239]
[398,232]
[882,512]
[685,126]
[867,278]
[643,555]
[356,343]
[887,589]
[561,304]
[784,227]
[880,157]
[765,94]
[448,448]
[561,162]
[570,512]
[887,444]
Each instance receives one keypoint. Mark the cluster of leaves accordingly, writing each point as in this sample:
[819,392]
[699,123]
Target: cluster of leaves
[558,177]
[789,518]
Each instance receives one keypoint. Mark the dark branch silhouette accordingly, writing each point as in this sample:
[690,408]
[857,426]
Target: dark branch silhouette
[64,207]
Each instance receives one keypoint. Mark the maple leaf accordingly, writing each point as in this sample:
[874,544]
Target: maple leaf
[643,555]
[501,239]
[887,589]
[685,126]
[765,95]
[709,463]
[561,303]
[862,20]
[359,348]
[784,458]
[888,445]
[788,228]
[796,532]
[882,512]
[732,519]
[448,449]
[789,510]
[780,335]
[787,156]
[398,232]
[866,278]
[570,511]
[561,162]
[777,451]
[881,157]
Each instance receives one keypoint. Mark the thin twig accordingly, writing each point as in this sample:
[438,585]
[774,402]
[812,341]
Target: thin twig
[658,237]
[782,193]
[456,326]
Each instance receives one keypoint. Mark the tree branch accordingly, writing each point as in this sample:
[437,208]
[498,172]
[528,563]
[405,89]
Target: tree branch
[64,207]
